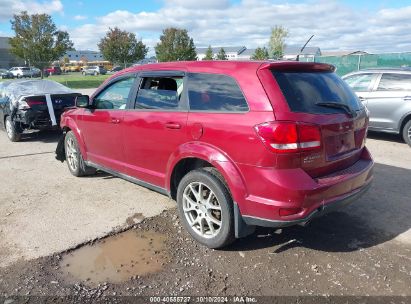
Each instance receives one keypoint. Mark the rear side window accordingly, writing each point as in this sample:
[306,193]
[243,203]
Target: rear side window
[394,82]
[217,93]
[161,93]
[303,90]
[360,82]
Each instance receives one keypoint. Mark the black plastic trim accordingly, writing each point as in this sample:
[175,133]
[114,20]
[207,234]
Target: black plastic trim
[129,178]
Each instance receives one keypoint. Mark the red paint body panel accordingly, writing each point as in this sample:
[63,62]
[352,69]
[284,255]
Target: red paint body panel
[147,145]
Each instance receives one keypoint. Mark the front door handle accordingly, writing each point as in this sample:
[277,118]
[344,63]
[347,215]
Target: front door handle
[407,98]
[115,121]
[173,125]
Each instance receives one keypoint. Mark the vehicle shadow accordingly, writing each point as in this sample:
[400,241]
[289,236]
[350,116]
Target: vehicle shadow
[42,136]
[385,136]
[379,216]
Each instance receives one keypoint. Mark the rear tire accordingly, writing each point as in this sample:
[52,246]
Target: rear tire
[206,208]
[74,158]
[406,133]
[13,132]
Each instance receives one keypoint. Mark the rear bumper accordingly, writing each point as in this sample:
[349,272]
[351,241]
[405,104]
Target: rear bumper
[271,190]
[320,211]
[37,119]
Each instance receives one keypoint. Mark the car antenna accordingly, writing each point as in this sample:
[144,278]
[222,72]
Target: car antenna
[302,49]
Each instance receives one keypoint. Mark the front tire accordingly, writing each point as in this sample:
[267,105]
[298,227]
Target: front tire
[13,132]
[406,133]
[74,158]
[206,209]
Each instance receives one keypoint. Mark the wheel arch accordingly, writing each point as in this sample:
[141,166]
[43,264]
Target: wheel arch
[191,156]
[70,125]
[404,120]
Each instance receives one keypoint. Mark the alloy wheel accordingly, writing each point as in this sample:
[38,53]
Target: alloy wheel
[71,154]
[9,128]
[202,209]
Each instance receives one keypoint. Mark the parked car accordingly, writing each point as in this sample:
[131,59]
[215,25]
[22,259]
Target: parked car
[236,144]
[5,74]
[32,104]
[387,95]
[20,72]
[35,72]
[115,70]
[94,70]
[54,70]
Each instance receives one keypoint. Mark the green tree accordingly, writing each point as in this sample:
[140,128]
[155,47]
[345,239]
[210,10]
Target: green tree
[175,45]
[221,55]
[122,47]
[37,39]
[209,54]
[260,54]
[277,44]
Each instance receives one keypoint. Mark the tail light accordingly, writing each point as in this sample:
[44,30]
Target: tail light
[28,103]
[287,137]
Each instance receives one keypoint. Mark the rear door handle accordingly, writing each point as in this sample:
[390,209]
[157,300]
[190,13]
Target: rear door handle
[408,98]
[173,125]
[115,121]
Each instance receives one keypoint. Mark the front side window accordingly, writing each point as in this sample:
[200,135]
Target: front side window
[214,92]
[160,93]
[394,82]
[115,96]
[360,82]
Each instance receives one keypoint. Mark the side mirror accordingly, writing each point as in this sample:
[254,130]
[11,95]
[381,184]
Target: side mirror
[82,101]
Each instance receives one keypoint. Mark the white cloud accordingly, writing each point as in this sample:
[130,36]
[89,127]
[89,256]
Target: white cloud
[80,17]
[219,23]
[10,7]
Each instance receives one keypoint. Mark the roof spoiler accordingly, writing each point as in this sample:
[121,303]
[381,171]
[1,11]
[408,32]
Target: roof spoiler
[294,66]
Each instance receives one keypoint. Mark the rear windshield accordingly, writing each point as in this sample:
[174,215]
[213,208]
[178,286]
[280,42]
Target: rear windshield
[303,90]
[25,69]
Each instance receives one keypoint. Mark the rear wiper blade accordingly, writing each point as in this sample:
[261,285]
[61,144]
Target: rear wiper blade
[338,105]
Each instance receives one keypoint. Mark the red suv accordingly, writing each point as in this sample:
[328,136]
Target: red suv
[236,144]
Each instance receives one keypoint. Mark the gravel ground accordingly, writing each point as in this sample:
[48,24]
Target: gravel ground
[363,250]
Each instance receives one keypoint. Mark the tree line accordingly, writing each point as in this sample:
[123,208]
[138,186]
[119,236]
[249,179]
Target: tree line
[38,41]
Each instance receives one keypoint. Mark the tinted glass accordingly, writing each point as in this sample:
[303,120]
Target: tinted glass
[115,96]
[212,92]
[160,93]
[303,90]
[395,82]
[25,69]
[360,82]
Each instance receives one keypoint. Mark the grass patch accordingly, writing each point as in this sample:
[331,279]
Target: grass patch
[76,80]
[79,81]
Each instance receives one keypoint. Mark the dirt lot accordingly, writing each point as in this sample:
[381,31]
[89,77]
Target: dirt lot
[48,217]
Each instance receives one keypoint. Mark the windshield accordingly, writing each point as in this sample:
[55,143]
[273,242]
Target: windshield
[305,91]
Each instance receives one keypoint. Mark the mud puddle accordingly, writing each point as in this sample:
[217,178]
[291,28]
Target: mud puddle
[116,258]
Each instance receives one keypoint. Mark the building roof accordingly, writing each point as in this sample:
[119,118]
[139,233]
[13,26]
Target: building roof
[89,55]
[295,50]
[227,49]
[343,53]
[4,43]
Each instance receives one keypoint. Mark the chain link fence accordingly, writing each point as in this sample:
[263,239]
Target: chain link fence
[355,62]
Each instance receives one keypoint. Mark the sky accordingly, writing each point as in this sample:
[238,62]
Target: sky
[375,26]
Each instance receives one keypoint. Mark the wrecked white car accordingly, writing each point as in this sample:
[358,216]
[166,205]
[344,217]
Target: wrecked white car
[32,105]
